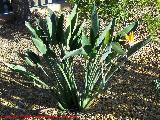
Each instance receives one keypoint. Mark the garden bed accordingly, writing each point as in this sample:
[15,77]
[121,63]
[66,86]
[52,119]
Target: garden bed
[130,94]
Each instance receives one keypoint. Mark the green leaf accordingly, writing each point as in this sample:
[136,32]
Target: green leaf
[40,45]
[51,21]
[78,31]
[85,102]
[74,42]
[89,50]
[107,52]
[112,27]
[71,26]
[22,70]
[60,31]
[33,77]
[127,29]
[106,40]
[113,69]
[137,46]
[54,20]
[42,31]
[94,31]
[105,35]
[50,12]
[117,47]
[33,32]
[38,42]
[67,36]
[74,52]
[71,16]
[94,21]
[28,61]
[84,41]
[16,67]
[90,102]
[110,57]
[61,107]
[49,24]
[66,78]
[32,57]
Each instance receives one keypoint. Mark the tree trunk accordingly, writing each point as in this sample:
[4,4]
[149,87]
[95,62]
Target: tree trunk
[21,9]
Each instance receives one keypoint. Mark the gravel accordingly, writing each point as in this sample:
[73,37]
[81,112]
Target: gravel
[130,93]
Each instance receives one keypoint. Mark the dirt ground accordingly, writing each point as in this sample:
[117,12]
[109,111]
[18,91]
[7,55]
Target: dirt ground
[130,94]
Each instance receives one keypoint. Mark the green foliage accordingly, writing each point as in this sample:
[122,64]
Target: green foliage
[111,8]
[103,52]
[48,33]
[157,86]
[106,8]
[153,23]
[123,10]
[158,4]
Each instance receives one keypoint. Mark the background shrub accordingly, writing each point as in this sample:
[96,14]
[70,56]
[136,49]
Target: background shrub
[146,11]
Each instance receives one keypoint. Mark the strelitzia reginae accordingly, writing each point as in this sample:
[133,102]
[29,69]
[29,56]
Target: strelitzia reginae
[130,38]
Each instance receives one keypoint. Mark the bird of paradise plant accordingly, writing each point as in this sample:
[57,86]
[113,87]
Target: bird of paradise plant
[104,53]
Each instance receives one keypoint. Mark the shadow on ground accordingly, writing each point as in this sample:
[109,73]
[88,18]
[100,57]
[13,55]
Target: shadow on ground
[13,31]
[18,97]
[130,94]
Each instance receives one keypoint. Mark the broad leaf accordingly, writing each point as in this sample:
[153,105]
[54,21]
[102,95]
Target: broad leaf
[137,46]
[107,52]
[60,31]
[89,50]
[72,28]
[74,41]
[49,25]
[32,57]
[33,32]
[117,47]
[71,16]
[94,21]
[105,35]
[74,52]
[94,30]
[28,61]
[16,67]
[40,45]
[106,39]
[127,29]
[84,40]
[22,70]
